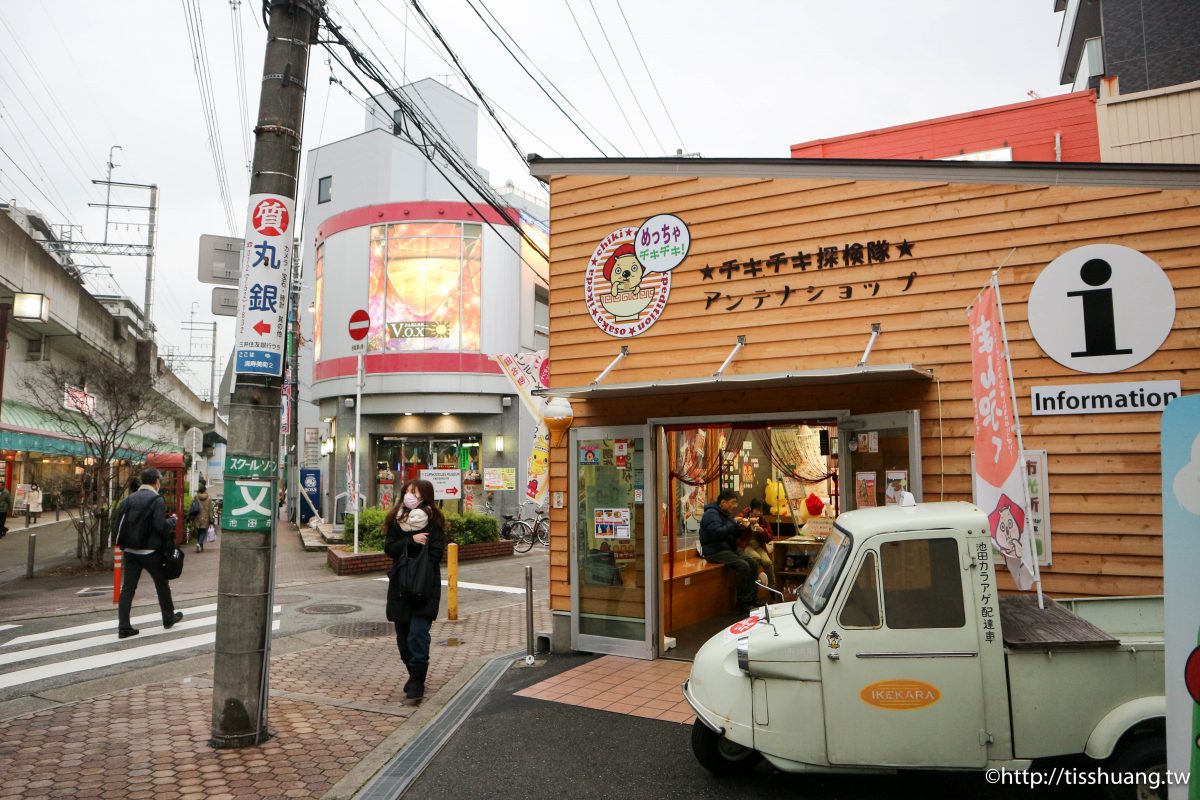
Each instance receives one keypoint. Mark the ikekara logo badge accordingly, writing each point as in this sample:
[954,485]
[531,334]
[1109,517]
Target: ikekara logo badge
[900,695]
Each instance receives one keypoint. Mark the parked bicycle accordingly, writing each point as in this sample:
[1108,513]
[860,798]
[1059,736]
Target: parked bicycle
[524,532]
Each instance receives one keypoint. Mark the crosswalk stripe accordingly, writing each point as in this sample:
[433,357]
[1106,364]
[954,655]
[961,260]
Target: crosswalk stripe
[108,659]
[110,638]
[481,587]
[97,626]
[8,627]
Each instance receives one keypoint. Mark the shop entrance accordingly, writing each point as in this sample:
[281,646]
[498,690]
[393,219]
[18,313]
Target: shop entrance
[459,474]
[799,469]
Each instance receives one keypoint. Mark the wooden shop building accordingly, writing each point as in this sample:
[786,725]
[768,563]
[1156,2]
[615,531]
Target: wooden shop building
[792,327]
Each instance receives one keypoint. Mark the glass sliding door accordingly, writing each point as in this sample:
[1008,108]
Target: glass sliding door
[880,457]
[612,542]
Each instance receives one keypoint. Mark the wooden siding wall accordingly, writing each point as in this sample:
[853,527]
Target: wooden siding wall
[1103,469]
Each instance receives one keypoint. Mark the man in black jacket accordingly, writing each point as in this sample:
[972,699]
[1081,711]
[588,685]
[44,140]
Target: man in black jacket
[145,533]
[718,542]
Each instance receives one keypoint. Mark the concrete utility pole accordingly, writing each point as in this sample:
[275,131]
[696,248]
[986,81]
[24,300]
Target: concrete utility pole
[244,584]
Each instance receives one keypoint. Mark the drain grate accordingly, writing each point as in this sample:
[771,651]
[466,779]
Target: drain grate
[287,599]
[330,608]
[361,630]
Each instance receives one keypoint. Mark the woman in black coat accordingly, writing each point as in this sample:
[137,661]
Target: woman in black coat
[415,526]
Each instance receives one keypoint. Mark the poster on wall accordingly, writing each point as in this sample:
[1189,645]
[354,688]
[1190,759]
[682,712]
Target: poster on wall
[499,479]
[897,484]
[589,454]
[527,372]
[447,483]
[864,489]
[612,523]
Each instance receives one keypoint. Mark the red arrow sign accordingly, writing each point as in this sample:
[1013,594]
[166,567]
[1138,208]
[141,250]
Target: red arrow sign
[451,490]
[262,328]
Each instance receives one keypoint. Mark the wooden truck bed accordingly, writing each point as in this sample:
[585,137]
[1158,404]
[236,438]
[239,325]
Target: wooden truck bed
[1027,627]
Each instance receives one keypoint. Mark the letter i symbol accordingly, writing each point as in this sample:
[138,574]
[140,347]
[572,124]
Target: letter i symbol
[1099,326]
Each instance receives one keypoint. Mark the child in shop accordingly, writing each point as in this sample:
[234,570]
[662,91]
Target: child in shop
[755,533]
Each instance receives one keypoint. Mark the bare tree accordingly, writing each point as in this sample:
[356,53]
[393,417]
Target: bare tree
[99,403]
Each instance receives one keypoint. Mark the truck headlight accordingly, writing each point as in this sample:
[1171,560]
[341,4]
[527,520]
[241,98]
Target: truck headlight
[743,654]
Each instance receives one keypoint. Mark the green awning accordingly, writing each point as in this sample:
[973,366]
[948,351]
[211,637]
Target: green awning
[26,427]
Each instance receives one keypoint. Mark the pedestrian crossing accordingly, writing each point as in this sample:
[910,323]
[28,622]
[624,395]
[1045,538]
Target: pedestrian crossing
[481,587]
[76,642]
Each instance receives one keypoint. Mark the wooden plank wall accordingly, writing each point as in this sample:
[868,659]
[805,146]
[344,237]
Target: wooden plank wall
[1103,469]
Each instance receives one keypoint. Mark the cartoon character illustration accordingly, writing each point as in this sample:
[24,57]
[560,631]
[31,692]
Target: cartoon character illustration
[1007,522]
[624,272]
[776,499]
[539,465]
[1191,678]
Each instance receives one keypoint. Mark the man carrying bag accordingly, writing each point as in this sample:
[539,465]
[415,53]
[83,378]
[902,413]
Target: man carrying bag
[147,536]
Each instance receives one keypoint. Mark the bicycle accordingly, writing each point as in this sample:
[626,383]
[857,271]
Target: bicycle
[511,523]
[524,532]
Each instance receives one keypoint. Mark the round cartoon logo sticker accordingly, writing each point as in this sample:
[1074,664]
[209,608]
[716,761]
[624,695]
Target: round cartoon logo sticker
[628,279]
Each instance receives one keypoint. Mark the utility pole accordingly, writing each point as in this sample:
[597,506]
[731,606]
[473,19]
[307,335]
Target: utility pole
[108,190]
[245,580]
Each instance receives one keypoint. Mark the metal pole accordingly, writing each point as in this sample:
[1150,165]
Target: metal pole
[108,189]
[29,555]
[529,614]
[151,234]
[241,662]
[357,445]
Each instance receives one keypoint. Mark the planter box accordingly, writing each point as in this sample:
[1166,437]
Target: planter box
[343,562]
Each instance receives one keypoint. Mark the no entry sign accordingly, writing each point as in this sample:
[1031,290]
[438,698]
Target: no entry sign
[360,325]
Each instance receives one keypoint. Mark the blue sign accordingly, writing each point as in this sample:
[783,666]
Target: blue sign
[310,484]
[260,362]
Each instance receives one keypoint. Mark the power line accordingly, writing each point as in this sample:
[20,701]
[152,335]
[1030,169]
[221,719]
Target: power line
[621,69]
[553,85]
[604,77]
[33,183]
[637,47]
[535,80]
[239,69]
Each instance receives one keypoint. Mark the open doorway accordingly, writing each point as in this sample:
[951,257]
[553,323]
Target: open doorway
[779,465]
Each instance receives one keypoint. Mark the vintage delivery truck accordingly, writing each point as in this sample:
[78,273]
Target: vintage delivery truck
[899,653]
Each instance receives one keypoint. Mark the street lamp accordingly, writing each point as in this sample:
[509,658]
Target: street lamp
[25,307]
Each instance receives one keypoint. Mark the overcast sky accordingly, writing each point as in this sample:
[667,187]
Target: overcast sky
[738,79]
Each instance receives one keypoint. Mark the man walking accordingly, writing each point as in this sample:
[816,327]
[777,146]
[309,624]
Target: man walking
[5,505]
[718,541]
[145,533]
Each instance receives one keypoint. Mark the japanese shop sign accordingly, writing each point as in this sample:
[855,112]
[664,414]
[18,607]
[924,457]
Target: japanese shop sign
[447,483]
[999,478]
[628,279]
[247,504]
[263,291]
[823,257]
[250,467]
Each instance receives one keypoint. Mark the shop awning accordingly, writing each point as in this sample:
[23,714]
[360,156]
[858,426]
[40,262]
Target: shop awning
[885,373]
[28,428]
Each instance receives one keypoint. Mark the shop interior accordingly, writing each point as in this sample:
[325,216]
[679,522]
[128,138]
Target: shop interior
[399,459]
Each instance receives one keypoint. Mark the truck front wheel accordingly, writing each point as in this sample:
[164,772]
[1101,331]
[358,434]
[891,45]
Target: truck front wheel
[720,756]
[1140,760]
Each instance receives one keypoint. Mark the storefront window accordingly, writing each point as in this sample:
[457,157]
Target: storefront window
[425,286]
[454,464]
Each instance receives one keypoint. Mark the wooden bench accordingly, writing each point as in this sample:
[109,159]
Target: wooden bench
[696,591]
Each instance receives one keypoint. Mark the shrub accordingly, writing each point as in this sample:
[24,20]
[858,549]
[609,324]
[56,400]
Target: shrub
[371,534]
[471,528]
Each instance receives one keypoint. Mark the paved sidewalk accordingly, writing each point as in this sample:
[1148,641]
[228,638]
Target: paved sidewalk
[336,712]
[52,594]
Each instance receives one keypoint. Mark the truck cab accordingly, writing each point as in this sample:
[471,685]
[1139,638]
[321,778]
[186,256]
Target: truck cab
[894,656]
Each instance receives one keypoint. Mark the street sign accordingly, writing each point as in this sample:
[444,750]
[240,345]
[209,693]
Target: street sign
[360,325]
[220,259]
[263,291]
[247,504]
[447,483]
[225,301]
[250,467]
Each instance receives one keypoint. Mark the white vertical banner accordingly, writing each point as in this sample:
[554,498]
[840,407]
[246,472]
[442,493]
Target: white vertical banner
[259,342]
[530,371]
[1001,489]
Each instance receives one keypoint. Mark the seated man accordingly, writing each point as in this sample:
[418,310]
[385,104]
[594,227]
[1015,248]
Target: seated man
[718,542]
[752,543]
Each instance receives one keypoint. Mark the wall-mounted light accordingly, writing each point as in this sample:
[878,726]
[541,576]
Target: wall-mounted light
[558,416]
[445,413]
[312,307]
[327,446]
[408,413]
[350,444]
[31,307]
[500,444]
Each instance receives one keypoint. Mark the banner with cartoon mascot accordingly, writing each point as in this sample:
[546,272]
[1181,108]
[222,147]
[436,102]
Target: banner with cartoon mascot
[530,371]
[628,279]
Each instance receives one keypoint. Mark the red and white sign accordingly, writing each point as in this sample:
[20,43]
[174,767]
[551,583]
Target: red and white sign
[271,217]
[75,399]
[1000,486]
[360,325]
[263,287]
[447,483]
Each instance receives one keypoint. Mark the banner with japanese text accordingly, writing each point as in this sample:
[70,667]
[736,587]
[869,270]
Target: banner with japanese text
[530,371]
[263,288]
[999,475]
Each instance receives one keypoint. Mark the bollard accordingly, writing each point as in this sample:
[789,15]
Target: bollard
[529,614]
[116,574]
[452,581]
[28,516]
[29,557]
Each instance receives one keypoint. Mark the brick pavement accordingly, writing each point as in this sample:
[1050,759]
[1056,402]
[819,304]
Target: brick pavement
[331,706]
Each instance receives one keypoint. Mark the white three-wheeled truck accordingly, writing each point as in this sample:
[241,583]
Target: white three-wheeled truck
[901,654]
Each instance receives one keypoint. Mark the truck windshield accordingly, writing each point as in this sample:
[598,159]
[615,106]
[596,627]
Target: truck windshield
[818,587]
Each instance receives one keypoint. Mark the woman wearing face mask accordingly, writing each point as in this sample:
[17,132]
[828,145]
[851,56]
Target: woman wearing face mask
[415,525]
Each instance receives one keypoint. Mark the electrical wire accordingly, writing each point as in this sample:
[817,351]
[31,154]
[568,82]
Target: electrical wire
[637,47]
[535,80]
[33,183]
[552,84]
[239,69]
[621,69]
[604,77]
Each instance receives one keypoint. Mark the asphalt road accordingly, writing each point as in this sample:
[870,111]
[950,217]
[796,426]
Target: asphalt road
[519,747]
